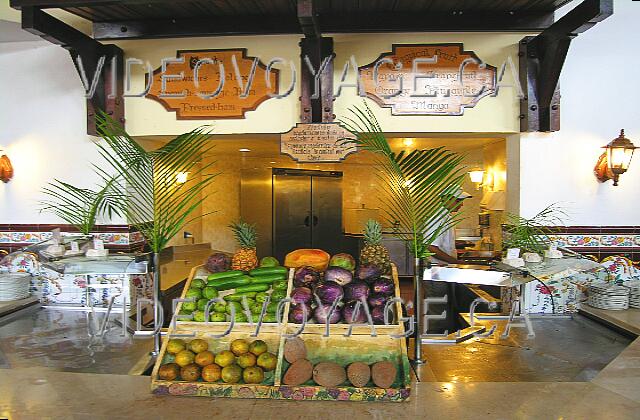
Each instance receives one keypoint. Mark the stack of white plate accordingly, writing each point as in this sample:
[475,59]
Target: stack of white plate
[634,294]
[14,286]
[608,296]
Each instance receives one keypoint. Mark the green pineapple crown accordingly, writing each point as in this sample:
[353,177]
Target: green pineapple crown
[372,232]
[244,233]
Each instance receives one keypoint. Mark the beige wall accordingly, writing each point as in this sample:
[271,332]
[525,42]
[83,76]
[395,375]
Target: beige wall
[491,115]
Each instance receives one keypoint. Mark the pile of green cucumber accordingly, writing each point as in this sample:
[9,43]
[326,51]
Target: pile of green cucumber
[252,287]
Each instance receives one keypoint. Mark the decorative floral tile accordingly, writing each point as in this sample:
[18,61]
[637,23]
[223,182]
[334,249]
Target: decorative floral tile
[583,240]
[5,237]
[26,237]
[616,240]
[113,238]
[636,240]
[559,240]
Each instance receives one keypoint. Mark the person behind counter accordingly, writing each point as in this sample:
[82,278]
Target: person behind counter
[444,247]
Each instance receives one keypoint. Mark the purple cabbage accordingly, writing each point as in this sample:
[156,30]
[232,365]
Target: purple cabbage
[356,290]
[328,292]
[348,311]
[377,315]
[367,272]
[377,299]
[296,313]
[301,295]
[383,286]
[322,311]
[218,262]
[338,275]
[305,276]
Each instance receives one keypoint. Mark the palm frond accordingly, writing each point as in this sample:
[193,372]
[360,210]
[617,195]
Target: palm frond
[80,207]
[150,195]
[414,183]
[532,235]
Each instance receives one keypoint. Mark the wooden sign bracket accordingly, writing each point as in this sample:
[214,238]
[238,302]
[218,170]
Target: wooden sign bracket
[541,61]
[77,43]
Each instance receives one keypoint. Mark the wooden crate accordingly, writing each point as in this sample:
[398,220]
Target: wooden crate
[396,328]
[199,271]
[201,388]
[345,350]
[341,350]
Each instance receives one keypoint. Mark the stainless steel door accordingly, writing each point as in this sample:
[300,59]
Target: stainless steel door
[326,213]
[291,213]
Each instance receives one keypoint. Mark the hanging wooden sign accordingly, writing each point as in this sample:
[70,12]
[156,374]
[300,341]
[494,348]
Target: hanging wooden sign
[322,142]
[242,88]
[428,79]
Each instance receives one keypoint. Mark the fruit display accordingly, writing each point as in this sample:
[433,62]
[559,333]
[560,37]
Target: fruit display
[217,262]
[331,374]
[323,290]
[237,294]
[314,258]
[314,293]
[373,253]
[245,258]
[243,362]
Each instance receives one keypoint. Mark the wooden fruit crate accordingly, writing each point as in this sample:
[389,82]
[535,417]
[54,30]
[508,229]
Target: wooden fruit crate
[200,271]
[394,328]
[345,350]
[341,350]
[201,388]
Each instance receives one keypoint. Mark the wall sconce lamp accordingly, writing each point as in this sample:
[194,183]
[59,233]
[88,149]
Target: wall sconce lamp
[6,169]
[615,160]
[477,176]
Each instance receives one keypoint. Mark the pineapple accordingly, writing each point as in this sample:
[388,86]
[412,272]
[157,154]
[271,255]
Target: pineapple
[373,253]
[245,258]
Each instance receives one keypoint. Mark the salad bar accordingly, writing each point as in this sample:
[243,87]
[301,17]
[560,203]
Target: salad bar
[319,327]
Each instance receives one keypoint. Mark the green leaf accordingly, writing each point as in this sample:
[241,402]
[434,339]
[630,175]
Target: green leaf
[414,183]
[150,195]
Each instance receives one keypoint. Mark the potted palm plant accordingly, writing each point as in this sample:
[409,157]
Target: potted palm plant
[148,190]
[414,184]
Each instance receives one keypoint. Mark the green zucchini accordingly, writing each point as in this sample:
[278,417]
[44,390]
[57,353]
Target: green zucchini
[237,297]
[280,285]
[253,288]
[230,283]
[267,278]
[224,275]
[268,270]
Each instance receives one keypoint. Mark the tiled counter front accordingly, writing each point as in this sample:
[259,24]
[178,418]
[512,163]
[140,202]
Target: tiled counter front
[53,288]
[116,237]
[617,247]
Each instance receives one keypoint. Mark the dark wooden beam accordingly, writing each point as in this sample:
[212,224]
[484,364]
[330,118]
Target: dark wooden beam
[542,58]
[107,97]
[316,106]
[307,16]
[50,4]
[260,25]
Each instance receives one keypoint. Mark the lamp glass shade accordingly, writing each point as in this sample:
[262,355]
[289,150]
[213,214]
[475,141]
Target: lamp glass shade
[476,176]
[619,154]
[181,177]
[619,158]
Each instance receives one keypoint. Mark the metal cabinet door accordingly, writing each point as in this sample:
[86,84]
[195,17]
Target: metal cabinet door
[291,214]
[326,218]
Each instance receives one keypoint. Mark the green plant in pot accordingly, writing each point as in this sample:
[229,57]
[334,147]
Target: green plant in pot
[414,184]
[149,192]
[531,235]
[80,207]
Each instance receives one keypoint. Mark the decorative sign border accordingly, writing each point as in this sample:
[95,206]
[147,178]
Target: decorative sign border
[243,56]
[390,103]
[341,156]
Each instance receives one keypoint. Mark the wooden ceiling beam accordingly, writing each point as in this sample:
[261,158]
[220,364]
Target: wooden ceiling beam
[261,25]
[90,51]
[541,61]
[307,17]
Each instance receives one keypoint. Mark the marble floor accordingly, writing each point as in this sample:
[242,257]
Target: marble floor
[42,380]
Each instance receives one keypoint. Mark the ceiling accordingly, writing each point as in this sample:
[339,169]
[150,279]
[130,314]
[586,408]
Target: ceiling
[268,145]
[141,19]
